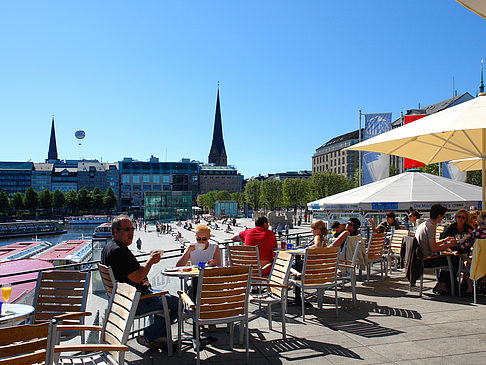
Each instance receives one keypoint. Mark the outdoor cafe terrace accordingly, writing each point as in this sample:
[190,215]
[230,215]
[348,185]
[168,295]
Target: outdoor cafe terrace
[390,323]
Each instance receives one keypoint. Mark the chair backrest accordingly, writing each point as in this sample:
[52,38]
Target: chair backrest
[397,240]
[223,293]
[121,312]
[438,231]
[375,246]
[107,277]
[27,344]
[320,266]
[349,251]
[59,292]
[240,255]
[280,272]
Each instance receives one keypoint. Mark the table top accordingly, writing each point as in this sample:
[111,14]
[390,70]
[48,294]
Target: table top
[182,272]
[294,251]
[15,312]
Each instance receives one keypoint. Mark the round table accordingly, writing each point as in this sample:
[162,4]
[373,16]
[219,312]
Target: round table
[15,313]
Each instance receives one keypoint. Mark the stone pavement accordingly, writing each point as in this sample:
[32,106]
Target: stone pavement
[389,325]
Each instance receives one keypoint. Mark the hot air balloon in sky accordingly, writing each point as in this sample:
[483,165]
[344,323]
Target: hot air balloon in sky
[79,134]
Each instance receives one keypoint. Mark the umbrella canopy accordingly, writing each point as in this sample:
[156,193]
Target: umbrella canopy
[458,132]
[468,164]
[477,6]
[409,189]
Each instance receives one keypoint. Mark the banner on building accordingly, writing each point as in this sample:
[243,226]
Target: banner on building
[408,163]
[452,172]
[376,166]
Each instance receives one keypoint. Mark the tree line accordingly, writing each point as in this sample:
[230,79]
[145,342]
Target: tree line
[289,193]
[57,202]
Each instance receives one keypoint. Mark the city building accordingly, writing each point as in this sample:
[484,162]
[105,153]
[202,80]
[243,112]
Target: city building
[165,206]
[52,152]
[42,176]
[219,178]
[139,177]
[65,179]
[15,176]
[304,174]
[330,157]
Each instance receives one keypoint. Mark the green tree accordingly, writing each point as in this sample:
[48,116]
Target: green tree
[328,183]
[252,194]
[84,200]
[271,194]
[17,202]
[97,199]
[294,193]
[58,200]
[4,202]
[210,199]
[239,197]
[109,199]
[474,177]
[222,195]
[431,169]
[45,200]
[31,200]
[393,170]
[72,201]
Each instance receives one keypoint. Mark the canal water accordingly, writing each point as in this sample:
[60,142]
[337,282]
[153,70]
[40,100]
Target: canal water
[74,232]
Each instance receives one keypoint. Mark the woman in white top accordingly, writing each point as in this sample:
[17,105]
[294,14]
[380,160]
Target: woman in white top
[202,251]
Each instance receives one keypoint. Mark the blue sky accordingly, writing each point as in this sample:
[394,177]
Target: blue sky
[140,78]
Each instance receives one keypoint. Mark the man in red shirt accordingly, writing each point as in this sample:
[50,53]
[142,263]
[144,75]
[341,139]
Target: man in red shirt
[262,237]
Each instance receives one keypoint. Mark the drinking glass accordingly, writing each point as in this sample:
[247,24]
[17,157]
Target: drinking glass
[289,246]
[201,265]
[6,292]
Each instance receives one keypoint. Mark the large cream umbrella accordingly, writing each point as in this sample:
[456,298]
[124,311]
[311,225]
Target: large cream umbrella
[458,132]
[477,6]
[468,164]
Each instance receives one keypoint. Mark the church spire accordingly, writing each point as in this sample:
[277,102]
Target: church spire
[217,154]
[52,153]
[481,85]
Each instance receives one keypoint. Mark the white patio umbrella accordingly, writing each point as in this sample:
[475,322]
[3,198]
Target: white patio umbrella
[477,6]
[455,133]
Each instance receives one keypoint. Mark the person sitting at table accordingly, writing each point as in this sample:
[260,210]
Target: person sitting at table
[459,228]
[387,225]
[352,229]
[128,270]
[262,237]
[473,218]
[338,228]
[319,230]
[202,251]
[415,219]
[425,236]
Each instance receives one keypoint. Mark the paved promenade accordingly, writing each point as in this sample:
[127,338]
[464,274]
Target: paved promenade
[390,325]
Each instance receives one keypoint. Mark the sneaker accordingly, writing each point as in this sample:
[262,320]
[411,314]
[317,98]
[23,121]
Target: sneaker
[142,340]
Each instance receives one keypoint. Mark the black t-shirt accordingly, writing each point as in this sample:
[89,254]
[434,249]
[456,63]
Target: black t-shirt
[123,263]
[451,231]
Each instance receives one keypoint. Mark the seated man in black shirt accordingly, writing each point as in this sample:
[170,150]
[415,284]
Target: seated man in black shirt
[127,269]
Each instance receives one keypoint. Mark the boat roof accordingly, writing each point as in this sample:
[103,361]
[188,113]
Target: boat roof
[21,248]
[63,250]
[11,267]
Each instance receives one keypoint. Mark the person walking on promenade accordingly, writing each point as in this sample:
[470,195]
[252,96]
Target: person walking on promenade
[128,270]
[262,237]
[139,244]
[279,230]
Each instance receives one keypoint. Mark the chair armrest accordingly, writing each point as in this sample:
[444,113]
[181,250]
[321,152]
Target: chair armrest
[266,266]
[70,315]
[154,294]
[259,278]
[186,299]
[90,348]
[64,327]
[345,261]
[269,285]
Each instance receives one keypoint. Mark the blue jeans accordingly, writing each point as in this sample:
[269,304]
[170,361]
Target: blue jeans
[157,328]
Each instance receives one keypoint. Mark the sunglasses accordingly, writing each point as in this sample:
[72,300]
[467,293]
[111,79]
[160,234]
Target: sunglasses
[350,224]
[127,229]
[201,238]
[461,216]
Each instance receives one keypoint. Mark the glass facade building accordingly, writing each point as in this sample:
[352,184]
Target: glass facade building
[165,206]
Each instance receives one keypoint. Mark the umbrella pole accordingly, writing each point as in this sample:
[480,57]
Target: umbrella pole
[483,178]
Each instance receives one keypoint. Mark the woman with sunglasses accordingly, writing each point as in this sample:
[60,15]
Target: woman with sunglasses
[352,229]
[202,251]
[458,229]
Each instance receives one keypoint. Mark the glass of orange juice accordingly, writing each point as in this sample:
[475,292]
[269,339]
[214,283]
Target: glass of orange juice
[6,292]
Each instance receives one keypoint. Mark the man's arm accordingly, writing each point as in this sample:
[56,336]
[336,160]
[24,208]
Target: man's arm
[236,238]
[138,275]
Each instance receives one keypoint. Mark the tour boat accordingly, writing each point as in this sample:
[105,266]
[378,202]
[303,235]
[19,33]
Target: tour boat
[88,219]
[103,231]
[69,252]
[30,228]
[23,250]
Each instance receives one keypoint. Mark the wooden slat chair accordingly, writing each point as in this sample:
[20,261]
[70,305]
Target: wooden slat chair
[27,344]
[62,295]
[319,272]
[395,247]
[240,255]
[438,231]
[375,254]
[348,262]
[222,297]
[277,287]
[114,332]
[141,320]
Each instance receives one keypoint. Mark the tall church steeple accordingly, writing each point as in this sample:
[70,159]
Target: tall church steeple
[217,154]
[52,153]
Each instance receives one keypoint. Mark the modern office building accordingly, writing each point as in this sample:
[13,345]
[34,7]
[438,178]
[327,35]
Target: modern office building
[139,177]
[42,176]
[219,178]
[304,174]
[65,179]
[330,157]
[15,176]
[165,206]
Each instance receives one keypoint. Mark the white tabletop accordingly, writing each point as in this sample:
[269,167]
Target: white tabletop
[15,312]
